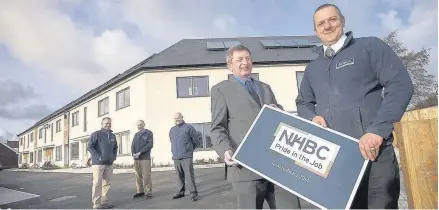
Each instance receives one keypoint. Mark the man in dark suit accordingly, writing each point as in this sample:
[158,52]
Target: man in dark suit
[235,103]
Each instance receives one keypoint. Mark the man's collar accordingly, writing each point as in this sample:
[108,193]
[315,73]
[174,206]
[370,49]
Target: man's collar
[243,80]
[320,49]
[105,130]
[338,45]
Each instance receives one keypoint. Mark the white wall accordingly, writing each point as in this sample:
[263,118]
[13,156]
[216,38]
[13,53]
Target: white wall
[162,101]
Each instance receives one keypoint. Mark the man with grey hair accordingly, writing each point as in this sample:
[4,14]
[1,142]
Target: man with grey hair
[141,152]
[184,140]
[342,89]
[235,103]
[102,146]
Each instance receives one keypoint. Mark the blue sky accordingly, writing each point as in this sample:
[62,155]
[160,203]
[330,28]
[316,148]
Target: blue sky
[52,52]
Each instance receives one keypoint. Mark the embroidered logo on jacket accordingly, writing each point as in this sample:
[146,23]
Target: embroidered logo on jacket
[345,62]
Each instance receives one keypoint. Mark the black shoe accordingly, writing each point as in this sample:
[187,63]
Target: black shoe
[148,195]
[106,206]
[138,195]
[179,195]
[194,197]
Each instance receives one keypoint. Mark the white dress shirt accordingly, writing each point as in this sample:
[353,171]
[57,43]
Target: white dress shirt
[337,46]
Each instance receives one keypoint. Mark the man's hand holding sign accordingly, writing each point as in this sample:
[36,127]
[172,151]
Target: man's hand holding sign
[369,143]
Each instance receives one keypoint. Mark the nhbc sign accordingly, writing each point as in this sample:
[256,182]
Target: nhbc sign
[322,166]
[308,151]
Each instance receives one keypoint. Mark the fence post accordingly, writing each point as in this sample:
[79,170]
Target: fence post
[417,140]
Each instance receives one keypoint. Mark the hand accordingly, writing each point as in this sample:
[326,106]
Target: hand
[228,158]
[370,145]
[320,120]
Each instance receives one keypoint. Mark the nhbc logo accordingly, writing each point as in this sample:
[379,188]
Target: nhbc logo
[308,151]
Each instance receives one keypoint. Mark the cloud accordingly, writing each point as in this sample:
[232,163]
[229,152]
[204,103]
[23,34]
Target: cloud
[224,22]
[41,36]
[419,31]
[33,112]
[12,92]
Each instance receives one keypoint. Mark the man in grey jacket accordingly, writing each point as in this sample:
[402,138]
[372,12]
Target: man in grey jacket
[102,146]
[141,152]
[235,103]
[184,140]
[342,89]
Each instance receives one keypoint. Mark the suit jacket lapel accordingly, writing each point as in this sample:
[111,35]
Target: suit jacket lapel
[241,90]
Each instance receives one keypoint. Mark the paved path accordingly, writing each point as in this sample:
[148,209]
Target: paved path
[72,189]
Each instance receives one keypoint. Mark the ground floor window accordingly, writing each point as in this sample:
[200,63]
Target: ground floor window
[58,153]
[74,151]
[19,158]
[40,155]
[31,157]
[123,142]
[203,130]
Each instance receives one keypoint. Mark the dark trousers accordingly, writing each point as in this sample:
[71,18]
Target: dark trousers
[185,172]
[380,187]
[252,194]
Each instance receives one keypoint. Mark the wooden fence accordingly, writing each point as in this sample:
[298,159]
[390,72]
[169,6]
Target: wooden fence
[416,137]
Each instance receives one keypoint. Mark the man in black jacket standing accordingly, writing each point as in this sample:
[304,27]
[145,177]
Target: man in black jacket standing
[184,140]
[141,151]
[102,146]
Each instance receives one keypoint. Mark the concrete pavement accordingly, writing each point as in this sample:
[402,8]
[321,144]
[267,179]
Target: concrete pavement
[73,191]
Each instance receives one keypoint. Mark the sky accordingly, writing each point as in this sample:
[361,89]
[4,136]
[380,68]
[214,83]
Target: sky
[53,52]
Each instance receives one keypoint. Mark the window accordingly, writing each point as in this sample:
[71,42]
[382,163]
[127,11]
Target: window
[255,76]
[74,151]
[51,132]
[32,137]
[203,130]
[192,86]
[21,140]
[123,142]
[31,159]
[58,154]
[85,119]
[20,156]
[24,141]
[75,118]
[28,140]
[40,133]
[103,107]
[58,126]
[299,77]
[123,98]
[40,155]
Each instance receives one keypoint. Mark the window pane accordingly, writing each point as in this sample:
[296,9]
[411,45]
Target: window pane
[208,141]
[126,142]
[106,109]
[74,150]
[299,77]
[199,128]
[201,86]
[127,97]
[184,87]
[118,139]
[119,100]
